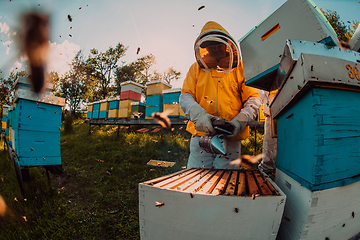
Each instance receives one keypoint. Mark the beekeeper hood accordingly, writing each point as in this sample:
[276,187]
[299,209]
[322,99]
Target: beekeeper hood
[215,48]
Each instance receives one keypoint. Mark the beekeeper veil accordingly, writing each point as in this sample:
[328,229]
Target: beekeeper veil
[215,48]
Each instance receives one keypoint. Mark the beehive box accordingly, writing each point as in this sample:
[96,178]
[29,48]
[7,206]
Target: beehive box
[103,114]
[151,109]
[138,108]
[124,113]
[175,109]
[114,103]
[210,204]
[131,86]
[325,214]
[319,135]
[96,110]
[5,109]
[171,95]
[125,103]
[89,115]
[154,100]
[104,105]
[36,131]
[90,108]
[156,87]
[263,46]
[130,95]
[113,113]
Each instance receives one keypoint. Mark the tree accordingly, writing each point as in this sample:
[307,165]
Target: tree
[6,87]
[171,74]
[74,85]
[343,31]
[102,66]
[123,74]
[142,67]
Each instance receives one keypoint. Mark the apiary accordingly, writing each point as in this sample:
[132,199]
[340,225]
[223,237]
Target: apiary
[295,19]
[210,204]
[156,87]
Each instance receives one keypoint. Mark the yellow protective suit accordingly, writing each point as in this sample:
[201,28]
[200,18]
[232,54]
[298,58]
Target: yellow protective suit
[221,92]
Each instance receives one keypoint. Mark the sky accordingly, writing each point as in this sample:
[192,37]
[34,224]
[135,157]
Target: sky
[165,28]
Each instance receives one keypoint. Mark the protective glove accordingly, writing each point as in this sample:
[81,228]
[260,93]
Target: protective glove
[201,119]
[239,123]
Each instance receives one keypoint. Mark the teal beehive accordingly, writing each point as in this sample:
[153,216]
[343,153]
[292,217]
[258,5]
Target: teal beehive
[35,129]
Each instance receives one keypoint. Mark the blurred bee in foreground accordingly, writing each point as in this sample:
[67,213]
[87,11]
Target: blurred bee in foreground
[34,42]
[162,118]
[3,207]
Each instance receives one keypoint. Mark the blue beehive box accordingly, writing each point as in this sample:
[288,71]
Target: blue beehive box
[154,100]
[96,111]
[114,104]
[171,95]
[35,123]
[150,110]
[89,115]
[318,139]
[103,114]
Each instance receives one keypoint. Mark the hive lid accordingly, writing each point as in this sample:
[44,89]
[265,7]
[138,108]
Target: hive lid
[263,46]
[133,83]
[44,98]
[172,90]
[158,81]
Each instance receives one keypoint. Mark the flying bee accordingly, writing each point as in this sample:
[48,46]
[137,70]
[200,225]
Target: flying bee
[3,207]
[35,44]
[69,18]
[162,118]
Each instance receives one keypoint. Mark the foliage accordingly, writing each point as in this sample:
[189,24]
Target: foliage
[6,87]
[75,84]
[102,65]
[343,31]
[124,74]
[97,195]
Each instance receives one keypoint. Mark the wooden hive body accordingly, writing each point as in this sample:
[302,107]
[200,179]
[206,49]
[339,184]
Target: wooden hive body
[325,214]
[210,204]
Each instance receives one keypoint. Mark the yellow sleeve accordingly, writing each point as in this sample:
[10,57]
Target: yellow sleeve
[189,85]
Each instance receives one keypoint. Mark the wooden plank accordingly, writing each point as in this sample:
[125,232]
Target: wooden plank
[159,181]
[202,180]
[156,130]
[264,188]
[221,185]
[241,184]
[192,177]
[210,185]
[142,130]
[231,186]
[253,188]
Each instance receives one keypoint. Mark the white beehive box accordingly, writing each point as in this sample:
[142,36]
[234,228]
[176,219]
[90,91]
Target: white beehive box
[210,204]
[327,214]
[131,86]
[263,46]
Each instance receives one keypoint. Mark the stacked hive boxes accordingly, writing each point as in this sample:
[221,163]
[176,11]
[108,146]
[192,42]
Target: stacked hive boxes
[104,109]
[90,109]
[171,102]
[138,109]
[130,92]
[154,97]
[4,120]
[113,108]
[96,110]
[35,126]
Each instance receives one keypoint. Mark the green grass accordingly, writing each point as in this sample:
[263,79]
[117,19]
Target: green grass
[97,195]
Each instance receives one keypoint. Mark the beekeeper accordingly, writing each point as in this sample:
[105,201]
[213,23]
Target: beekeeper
[214,88]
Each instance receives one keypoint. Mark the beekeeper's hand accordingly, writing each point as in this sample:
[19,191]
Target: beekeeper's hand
[239,123]
[201,119]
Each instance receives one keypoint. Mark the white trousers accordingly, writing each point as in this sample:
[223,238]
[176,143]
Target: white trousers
[199,158]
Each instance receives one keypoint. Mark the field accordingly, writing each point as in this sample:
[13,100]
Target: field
[97,195]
